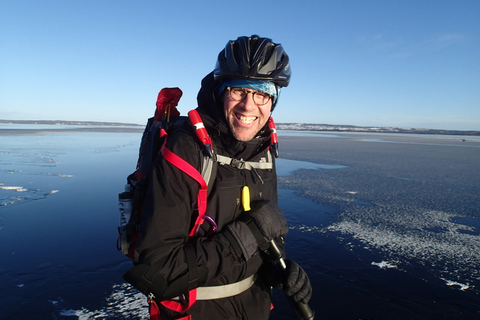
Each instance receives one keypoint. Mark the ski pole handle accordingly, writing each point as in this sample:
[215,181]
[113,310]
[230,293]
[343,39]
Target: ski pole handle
[302,309]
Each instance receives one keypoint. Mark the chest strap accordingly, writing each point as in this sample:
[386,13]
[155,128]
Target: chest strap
[265,164]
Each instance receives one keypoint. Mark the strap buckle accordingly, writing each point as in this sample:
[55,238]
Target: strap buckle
[238,163]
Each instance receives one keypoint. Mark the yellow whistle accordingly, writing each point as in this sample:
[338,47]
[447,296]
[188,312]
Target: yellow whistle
[246,198]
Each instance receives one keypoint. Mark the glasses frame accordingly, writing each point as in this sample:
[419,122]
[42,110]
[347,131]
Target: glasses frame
[253,94]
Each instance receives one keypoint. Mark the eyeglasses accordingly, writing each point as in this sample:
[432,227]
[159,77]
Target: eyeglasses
[239,94]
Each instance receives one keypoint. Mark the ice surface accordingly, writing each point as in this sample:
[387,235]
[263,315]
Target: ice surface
[407,237]
[409,199]
[408,208]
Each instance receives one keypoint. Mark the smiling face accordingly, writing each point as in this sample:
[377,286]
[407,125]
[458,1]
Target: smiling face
[245,117]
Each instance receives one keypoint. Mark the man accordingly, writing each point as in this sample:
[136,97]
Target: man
[226,261]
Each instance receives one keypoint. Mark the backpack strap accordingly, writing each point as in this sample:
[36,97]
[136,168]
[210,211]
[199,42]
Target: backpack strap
[195,175]
[273,136]
[209,167]
[202,207]
[200,131]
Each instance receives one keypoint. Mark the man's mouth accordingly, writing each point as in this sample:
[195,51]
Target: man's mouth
[246,120]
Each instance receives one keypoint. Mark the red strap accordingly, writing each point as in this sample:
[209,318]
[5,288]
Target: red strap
[173,305]
[181,307]
[194,174]
[154,310]
[202,208]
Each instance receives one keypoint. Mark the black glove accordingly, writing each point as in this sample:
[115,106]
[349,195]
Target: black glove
[255,228]
[297,285]
[268,218]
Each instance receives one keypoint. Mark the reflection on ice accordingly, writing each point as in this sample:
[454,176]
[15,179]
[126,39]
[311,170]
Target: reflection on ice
[286,167]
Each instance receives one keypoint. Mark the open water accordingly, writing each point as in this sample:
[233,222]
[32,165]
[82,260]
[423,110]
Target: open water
[387,226]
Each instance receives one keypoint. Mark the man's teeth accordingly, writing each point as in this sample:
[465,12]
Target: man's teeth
[247,120]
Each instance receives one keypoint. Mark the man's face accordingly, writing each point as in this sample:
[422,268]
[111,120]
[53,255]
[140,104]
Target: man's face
[245,117]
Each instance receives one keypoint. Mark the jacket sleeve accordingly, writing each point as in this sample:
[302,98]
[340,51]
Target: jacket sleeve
[167,219]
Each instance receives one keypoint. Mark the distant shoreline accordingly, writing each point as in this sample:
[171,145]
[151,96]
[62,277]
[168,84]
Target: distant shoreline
[93,126]
[71,123]
[57,126]
[349,128]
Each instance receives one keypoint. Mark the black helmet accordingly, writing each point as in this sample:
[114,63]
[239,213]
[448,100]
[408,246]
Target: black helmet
[253,58]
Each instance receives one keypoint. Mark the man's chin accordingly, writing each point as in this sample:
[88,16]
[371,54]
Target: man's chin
[244,134]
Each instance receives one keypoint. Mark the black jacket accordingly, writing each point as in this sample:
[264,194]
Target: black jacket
[169,214]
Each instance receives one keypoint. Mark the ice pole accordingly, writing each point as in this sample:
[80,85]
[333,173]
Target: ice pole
[302,309]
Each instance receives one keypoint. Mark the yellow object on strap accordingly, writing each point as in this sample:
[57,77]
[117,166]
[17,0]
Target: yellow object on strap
[246,198]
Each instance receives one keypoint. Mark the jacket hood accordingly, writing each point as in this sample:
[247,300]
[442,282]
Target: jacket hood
[208,100]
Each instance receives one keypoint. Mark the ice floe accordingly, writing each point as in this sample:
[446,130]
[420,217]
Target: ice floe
[384,265]
[457,284]
[18,189]
[124,302]
[64,175]
[428,238]
[10,197]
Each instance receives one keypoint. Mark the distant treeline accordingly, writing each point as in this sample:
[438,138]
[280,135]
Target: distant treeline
[280,126]
[349,128]
[69,123]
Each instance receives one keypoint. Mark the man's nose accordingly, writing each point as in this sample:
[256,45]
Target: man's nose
[248,101]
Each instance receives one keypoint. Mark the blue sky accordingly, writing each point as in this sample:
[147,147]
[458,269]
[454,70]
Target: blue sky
[368,63]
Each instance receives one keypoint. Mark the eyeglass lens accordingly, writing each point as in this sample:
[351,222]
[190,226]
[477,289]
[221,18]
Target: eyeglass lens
[239,94]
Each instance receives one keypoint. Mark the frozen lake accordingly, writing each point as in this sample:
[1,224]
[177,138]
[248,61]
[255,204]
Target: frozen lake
[387,226]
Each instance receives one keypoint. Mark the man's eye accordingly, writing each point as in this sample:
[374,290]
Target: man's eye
[262,95]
